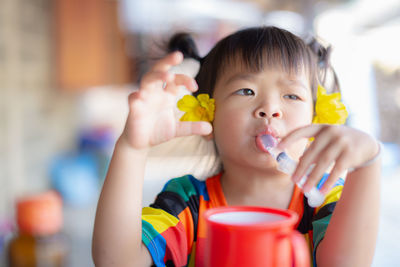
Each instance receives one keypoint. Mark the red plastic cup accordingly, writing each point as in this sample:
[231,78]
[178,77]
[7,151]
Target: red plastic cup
[252,237]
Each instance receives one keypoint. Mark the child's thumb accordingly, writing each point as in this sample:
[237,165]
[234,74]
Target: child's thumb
[185,128]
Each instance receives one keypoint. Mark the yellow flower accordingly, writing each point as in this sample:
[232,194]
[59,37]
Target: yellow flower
[197,109]
[328,108]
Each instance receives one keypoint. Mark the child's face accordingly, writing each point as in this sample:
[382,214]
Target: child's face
[250,104]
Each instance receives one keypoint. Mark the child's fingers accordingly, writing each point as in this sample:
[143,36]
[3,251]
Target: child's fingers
[187,81]
[180,79]
[323,161]
[313,154]
[167,62]
[133,96]
[135,105]
[168,81]
[185,128]
[303,132]
[155,79]
[338,169]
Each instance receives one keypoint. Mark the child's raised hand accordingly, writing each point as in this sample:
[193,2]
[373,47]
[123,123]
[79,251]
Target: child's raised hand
[151,119]
[344,146]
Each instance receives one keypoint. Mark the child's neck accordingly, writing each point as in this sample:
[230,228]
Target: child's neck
[273,189]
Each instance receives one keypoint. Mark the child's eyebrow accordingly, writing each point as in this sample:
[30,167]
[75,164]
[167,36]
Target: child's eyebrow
[290,82]
[240,76]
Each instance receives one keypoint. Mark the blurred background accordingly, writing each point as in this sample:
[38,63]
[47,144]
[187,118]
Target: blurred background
[67,66]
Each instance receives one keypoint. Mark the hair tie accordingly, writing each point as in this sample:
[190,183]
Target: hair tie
[329,109]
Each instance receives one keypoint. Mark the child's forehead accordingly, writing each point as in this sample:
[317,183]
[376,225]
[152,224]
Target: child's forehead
[254,63]
[237,72]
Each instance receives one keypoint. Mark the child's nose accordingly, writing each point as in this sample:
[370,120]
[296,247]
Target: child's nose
[268,114]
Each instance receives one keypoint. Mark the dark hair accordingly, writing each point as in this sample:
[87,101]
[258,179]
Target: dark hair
[326,74]
[255,48]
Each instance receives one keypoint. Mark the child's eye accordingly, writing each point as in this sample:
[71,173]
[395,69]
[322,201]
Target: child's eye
[245,91]
[292,97]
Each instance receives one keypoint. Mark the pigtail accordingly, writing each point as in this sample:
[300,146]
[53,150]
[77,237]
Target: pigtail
[184,43]
[326,74]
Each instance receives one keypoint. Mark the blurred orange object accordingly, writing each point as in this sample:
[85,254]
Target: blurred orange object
[39,241]
[40,214]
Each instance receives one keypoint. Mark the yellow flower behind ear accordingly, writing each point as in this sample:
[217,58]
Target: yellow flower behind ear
[328,108]
[201,108]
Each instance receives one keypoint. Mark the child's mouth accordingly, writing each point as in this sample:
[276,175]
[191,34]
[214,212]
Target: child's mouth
[266,140]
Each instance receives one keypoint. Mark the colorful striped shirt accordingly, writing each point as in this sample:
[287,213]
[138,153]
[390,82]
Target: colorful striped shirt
[173,227]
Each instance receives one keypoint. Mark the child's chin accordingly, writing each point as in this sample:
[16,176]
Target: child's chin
[265,161]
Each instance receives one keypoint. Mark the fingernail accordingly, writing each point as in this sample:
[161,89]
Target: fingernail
[324,190]
[301,180]
[195,85]
[306,188]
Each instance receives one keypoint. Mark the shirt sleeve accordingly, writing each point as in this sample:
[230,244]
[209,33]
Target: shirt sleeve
[168,225]
[323,213]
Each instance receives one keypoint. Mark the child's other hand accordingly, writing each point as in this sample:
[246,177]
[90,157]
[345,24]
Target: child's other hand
[151,119]
[344,146]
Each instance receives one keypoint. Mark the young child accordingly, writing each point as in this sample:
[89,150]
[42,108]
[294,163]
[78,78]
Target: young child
[264,81]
